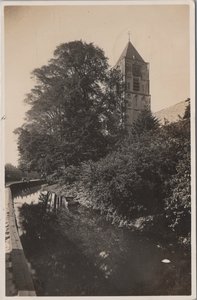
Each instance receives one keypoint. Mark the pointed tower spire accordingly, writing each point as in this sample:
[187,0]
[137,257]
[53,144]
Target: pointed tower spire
[135,75]
[129,33]
[131,53]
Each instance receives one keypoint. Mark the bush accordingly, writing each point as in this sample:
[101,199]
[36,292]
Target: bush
[109,184]
[148,174]
[178,202]
[132,179]
[71,174]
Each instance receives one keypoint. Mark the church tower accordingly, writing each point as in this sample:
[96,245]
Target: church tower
[135,73]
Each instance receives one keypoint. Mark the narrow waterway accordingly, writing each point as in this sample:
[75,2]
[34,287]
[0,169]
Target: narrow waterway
[87,256]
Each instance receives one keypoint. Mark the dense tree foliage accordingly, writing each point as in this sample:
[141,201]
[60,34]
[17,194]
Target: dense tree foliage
[135,174]
[75,130]
[12,173]
[178,196]
[147,175]
[145,122]
[76,109]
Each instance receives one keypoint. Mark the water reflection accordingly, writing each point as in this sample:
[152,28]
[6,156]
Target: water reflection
[76,252]
[28,196]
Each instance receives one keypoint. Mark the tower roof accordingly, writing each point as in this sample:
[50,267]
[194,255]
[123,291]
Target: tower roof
[130,52]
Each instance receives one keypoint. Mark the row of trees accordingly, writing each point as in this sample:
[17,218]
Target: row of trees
[12,173]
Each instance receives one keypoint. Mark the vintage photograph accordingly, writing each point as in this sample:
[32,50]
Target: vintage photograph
[99,141]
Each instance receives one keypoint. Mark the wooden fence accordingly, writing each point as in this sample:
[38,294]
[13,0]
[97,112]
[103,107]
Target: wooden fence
[54,202]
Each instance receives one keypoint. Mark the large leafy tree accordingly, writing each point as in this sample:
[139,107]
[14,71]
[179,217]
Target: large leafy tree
[75,111]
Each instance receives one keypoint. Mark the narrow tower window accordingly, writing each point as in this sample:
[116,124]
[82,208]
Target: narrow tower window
[127,86]
[136,70]
[136,84]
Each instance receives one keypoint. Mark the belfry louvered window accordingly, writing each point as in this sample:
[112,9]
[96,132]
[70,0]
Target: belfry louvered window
[136,70]
[136,84]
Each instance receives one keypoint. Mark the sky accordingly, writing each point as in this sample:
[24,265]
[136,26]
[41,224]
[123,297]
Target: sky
[160,33]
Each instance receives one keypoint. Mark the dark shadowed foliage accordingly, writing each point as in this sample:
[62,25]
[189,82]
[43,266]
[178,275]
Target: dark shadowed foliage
[145,122]
[12,173]
[147,175]
[75,112]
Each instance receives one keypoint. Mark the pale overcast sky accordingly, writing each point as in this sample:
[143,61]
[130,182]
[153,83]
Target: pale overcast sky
[160,33]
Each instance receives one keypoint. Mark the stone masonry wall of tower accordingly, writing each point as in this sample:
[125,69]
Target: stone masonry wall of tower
[135,73]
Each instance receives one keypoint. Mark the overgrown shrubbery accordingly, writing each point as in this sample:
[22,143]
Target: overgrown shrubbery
[71,174]
[133,179]
[178,202]
[147,175]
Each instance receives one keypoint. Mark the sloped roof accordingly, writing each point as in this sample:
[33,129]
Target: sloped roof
[172,113]
[130,52]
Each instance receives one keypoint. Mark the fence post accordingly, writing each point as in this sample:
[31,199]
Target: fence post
[46,200]
[55,201]
[49,201]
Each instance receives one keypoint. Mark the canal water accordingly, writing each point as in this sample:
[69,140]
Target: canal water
[84,255]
